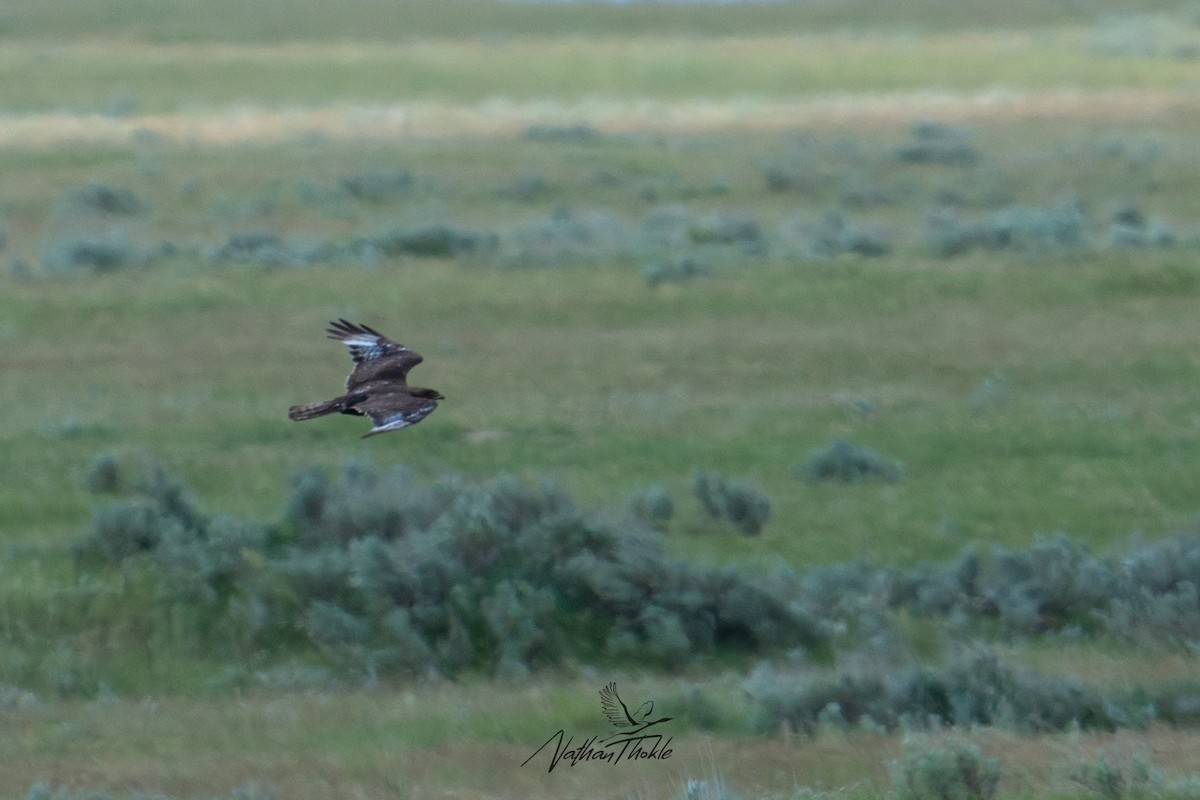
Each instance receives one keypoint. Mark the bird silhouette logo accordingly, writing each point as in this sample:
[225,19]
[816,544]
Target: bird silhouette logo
[618,714]
[630,740]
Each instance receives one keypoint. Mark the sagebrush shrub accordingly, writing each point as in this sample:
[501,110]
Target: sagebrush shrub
[938,143]
[103,475]
[379,186]
[955,771]
[383,575]
[259,249]
[678,271]
[832,235]
[528,188]
[732,502]
[1154,598]
[780,178]
[1054,583]
[653,506]
[1020,229]
[1114,777]
[846,462]
[974,690]
[105,252]
[566,236]
[378,573]
[722,228]
[100,198]
[1130,228]
[432,241]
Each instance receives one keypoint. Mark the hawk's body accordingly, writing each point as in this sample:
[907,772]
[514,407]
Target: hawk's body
[378,386]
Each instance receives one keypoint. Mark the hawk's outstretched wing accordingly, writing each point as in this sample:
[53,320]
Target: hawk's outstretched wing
[365,343]
[614,708]
[394,410]
[375,356]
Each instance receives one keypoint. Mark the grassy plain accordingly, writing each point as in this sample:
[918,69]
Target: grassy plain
[580,372]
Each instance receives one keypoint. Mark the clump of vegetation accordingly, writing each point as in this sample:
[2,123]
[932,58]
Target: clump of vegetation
[677,271]
[99,198]
[780,179]
[380,575]
[1146,594]
[1054,583]
[1020,229]
[102,253]
[676,228]
[1154,599]
[955,771]
[433,241]
[653,506]
[527,188]
[260,249]
[1130,228]
[361,251]
[974,690]
[732,502]
[938,143]
[566,236]
[1116,778]
[710,788]
[103,475]
[861,190]
[834,235]
[368,572]
[844,461]
[379,187]
[719,228]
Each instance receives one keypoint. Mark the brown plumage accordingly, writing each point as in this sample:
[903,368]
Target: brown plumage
[378,386]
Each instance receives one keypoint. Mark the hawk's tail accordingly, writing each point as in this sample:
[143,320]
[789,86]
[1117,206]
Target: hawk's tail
[314,410]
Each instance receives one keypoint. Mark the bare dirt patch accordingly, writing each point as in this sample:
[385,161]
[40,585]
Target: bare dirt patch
[500,118]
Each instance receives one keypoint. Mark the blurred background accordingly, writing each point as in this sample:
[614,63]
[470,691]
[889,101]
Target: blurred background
[824,371]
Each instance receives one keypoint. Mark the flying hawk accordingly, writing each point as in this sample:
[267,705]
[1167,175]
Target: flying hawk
[378,387]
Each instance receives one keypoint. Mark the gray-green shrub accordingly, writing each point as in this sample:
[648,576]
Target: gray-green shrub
[1020,229]
[844,461]
[834,234]
[99,198]
[383,575]
[939,143]
[653,506]
[975,690]
[955,771]
[731,502]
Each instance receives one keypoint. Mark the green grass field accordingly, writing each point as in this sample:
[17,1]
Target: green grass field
[1026,389]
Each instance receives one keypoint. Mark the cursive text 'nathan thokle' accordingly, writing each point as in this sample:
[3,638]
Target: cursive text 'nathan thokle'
[642,747]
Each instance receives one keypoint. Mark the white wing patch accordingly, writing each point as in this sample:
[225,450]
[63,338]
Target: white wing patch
[394,424]
[365,348]
[401,419]
[361,340]
[365,343]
